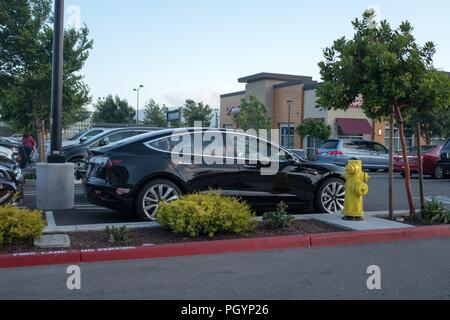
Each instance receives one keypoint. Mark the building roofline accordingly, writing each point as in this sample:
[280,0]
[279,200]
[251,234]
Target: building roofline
[274,76]
[312,86]
[294,83]
[232,94]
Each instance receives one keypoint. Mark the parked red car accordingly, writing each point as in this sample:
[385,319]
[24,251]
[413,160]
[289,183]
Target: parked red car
[431,156]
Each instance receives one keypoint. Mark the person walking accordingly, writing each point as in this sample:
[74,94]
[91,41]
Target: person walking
[28,144]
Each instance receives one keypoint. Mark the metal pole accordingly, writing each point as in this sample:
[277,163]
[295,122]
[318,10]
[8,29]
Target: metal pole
[56,155]
[137,107]
[289,128]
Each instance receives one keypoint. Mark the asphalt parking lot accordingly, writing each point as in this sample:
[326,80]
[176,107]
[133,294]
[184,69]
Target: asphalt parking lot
[84,213]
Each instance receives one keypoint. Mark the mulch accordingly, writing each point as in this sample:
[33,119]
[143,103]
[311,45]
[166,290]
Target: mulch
[156,236]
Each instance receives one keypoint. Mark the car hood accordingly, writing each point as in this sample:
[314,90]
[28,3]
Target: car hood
[325,167]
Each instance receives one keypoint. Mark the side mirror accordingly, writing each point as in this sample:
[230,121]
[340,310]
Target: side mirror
[103,142]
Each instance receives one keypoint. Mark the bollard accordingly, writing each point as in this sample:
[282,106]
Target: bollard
[355,189]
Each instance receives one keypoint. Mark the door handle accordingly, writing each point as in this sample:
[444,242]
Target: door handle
[251,166]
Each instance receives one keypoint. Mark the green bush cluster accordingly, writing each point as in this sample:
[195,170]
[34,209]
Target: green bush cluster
[117,235]
[17,225]
[435,212]
[279,219]
[206,214]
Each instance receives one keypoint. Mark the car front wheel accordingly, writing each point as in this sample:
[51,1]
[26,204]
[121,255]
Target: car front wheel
[148,199]
[438,173]
[330,196]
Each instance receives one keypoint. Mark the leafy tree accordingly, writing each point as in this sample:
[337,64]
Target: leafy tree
[155,114]
[386,66]
[252,115]
[194,112]
[316,129]
[26,42]
[113,110]
[432,104]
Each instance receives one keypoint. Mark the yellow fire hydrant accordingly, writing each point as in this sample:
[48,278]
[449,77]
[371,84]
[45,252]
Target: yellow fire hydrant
[355,189]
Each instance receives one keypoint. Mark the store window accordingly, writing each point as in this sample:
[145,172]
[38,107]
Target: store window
[352,136]
[409,138]
[287,138]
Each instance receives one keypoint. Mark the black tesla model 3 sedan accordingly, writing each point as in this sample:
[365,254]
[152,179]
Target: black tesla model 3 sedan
[135,174]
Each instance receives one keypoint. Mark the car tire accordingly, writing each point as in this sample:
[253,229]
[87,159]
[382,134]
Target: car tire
[151,194]
[330,196]
[438,173]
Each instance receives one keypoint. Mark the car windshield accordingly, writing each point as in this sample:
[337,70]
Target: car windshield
[79,135]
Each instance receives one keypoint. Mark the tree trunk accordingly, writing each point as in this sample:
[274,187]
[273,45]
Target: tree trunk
[391,166]
[420,161]
[41,139]
[412,208]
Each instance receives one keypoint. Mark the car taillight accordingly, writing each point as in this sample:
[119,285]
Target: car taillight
[335,153]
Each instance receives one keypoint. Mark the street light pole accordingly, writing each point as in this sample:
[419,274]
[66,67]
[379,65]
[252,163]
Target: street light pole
[289,103]
[137,104]
[56,155]
[55,183]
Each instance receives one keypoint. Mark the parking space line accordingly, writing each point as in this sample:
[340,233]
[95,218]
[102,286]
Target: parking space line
[50,219]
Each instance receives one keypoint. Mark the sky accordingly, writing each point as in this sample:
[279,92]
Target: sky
[197,49]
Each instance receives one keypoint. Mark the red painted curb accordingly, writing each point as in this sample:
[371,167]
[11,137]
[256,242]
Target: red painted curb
[196,248]
[376,236]
[222,246]
[39,259]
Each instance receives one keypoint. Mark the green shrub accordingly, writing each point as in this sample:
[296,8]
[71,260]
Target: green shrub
[17,225]
[117,235]
[206,214]
[278,219]
[435,212]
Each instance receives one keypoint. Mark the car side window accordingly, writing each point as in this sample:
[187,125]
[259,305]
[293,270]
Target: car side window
[93,134]
[380,148]
[250,148]
[446,147]
[182,143]
[120,136]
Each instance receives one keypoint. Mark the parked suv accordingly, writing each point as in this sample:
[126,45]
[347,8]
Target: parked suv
[443,166]
[373,155]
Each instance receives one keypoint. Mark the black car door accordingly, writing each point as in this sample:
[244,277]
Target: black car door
[200,160]
[269,176]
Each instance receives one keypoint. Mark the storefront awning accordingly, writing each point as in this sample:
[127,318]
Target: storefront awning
[354,126]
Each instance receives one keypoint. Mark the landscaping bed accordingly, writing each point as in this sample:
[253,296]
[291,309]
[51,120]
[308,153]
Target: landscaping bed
[156,236]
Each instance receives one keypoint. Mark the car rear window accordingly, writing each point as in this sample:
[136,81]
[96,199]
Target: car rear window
[330,144]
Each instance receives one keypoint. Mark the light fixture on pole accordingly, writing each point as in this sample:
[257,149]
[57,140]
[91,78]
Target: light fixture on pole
[289,103]
[137,103]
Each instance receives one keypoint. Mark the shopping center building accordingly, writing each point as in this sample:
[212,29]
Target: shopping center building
[275,90]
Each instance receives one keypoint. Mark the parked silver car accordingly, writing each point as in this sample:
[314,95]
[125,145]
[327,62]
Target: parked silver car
[373,155]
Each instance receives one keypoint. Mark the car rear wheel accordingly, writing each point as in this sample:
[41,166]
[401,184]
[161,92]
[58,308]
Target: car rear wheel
[330,196]
[438,173]
[148,199]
